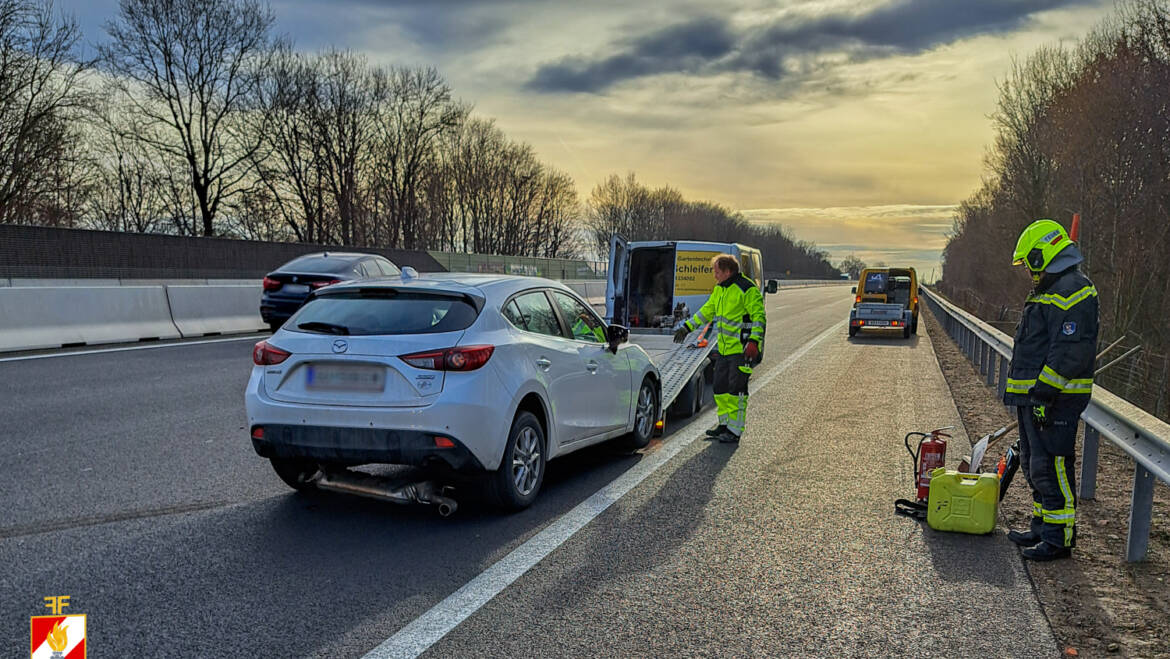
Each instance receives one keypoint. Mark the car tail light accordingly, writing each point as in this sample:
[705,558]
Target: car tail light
[915,300]
[265,354]
[271,284]
[466,358]
[258,432]
[323,284]
[895,323]
[858,299]
[444,442]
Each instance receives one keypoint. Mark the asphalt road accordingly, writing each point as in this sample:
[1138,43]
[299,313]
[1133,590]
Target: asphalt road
[131,486]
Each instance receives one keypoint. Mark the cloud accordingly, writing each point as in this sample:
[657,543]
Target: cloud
[790,45]
[678,48]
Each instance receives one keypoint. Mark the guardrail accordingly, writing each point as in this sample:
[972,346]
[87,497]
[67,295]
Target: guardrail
[1142,436]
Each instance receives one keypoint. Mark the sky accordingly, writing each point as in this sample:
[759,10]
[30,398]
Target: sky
[857,124]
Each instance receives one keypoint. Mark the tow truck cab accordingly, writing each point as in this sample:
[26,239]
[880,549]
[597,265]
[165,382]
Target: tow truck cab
[657,283]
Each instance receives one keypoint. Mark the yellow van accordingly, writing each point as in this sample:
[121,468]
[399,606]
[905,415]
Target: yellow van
[886,299]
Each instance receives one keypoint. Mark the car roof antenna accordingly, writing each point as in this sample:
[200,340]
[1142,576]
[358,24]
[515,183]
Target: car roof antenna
[409,272]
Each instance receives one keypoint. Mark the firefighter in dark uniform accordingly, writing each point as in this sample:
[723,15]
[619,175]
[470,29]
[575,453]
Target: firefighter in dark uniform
[736,308]
[1050,381]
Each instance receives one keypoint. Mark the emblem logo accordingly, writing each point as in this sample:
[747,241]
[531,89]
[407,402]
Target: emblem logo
[1069,328]
[58,636]
[340,346]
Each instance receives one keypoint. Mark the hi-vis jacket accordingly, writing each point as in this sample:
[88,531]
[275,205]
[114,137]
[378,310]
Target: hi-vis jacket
[736,307]
[1056,344]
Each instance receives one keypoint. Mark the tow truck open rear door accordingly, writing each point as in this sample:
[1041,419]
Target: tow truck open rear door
[615,284]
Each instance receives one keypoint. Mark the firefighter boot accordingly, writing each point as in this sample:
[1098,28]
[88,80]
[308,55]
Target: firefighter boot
[1046,551]
[1024,538]
[714,433]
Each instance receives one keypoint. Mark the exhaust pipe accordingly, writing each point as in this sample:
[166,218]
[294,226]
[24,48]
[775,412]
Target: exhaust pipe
[374,487]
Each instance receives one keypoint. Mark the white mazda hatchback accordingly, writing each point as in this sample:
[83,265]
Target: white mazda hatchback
[480,373]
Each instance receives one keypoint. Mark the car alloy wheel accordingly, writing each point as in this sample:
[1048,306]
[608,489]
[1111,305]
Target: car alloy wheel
[526,462]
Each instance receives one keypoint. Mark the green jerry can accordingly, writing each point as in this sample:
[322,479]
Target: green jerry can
[967,503]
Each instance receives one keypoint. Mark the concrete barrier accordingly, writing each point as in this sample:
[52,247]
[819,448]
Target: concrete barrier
[215,309]
[32,318]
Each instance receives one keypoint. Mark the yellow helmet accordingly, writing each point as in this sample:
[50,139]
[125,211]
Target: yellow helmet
[1041,243]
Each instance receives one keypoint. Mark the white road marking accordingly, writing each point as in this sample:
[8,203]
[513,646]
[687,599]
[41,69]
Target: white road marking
[426,630]
[251,337]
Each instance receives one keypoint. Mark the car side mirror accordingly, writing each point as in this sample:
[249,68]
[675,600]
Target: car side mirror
[773,286]
[854,290]
[617,335]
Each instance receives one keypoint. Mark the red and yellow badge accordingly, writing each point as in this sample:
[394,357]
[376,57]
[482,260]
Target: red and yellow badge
[58,636]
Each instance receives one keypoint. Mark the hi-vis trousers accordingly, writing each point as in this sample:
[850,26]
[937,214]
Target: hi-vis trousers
[1047,456]
[731,391]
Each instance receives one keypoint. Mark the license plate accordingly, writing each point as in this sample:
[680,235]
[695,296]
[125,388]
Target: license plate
[295,288]
[877,323]
[345,378]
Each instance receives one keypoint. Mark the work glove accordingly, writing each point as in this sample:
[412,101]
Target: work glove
[681,333]
[1040,416]
[751,351]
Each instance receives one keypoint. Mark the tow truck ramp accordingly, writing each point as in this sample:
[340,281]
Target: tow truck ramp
[678,364]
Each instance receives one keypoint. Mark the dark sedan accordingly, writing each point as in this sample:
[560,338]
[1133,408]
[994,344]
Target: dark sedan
[287,287]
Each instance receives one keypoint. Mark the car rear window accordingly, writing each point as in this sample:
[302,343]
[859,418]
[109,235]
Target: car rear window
[875,283]
[384,314]
[318,264]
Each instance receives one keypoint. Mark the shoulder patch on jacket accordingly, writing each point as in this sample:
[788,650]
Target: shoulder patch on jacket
[1069,328]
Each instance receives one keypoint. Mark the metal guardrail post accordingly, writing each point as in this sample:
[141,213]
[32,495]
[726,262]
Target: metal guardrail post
[991,357]
[1140,513]
[1089,450]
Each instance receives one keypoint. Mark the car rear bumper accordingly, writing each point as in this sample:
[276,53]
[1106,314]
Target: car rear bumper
[274,308]
[362,445]
[472,412]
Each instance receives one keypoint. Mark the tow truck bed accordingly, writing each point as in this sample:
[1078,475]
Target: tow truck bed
[677,363]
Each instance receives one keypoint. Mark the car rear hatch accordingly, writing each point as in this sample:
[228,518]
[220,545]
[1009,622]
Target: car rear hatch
[296,285]
[347,348]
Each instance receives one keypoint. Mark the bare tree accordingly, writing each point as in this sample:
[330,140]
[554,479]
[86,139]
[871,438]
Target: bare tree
[191,67]
[418,112]
[40,95]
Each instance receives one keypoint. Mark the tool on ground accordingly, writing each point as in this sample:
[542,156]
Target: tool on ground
[931,454]
[974,463]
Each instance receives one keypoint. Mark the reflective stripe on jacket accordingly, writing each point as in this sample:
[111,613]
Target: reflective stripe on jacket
[736,307]
[1056,344]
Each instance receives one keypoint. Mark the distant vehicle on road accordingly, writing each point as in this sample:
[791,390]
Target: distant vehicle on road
[887,300]
[475,373]
[287,287]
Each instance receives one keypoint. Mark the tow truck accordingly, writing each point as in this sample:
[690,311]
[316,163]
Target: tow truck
[653,286]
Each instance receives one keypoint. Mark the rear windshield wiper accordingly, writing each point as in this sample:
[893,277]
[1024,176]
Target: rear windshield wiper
[328,328]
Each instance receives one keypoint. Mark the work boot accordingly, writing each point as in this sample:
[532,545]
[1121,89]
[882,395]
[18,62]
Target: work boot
[1044,551]
[715,432]
[728,437]
[1027,538]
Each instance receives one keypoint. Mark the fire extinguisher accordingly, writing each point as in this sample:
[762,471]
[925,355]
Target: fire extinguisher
[931,454]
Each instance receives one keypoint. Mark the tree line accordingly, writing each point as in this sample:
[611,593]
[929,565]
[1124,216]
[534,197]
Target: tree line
[637,212]
[1083,129]
[195,119]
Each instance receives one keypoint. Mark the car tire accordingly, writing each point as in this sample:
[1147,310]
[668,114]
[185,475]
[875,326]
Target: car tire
[645,416]
[852,331]
[906,332]
[295,472]
[914,326]
[516,483]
